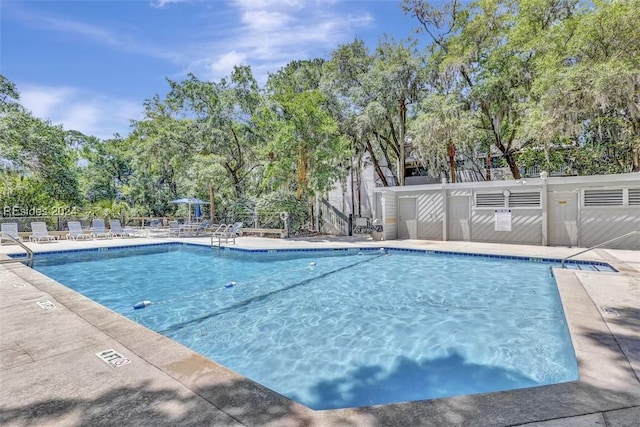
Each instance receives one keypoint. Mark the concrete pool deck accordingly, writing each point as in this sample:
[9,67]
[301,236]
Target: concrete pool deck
[50,374]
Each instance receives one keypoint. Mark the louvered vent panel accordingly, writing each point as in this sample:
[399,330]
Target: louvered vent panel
[495,200]
[603,197]
[634,197]
[518,200]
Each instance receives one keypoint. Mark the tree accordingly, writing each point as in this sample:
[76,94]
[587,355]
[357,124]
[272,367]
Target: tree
[378,94]
[481,46]
[161,149]
[9,95]
[198,124]
[305,147]
[220,120]
[589,88]
[38,152]
[109,168]
[441,129]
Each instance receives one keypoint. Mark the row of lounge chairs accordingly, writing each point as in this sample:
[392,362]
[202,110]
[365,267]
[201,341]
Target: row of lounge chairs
[40,233]
[99,230]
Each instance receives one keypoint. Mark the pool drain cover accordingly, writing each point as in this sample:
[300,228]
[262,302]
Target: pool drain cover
[611,311]
[46,304]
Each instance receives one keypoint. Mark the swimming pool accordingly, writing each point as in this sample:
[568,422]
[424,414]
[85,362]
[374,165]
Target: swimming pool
[353,329]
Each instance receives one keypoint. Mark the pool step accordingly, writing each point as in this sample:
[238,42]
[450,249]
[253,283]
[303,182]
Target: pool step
[589,267]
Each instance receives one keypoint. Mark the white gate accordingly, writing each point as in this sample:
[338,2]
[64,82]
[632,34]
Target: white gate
[563,218]
[459,218]
[407,222]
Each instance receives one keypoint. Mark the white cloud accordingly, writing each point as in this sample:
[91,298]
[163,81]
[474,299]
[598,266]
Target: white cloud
[41,101]
[224,65]
[263,4]
[265,34]
[163,3]
[272,33]
[92,114]
[262,20]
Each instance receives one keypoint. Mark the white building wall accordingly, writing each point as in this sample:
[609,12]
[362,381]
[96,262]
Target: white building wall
[526,226]
[340,195]
[529,225]
[602,224]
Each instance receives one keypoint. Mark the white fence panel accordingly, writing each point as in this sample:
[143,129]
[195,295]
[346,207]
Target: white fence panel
[608,206]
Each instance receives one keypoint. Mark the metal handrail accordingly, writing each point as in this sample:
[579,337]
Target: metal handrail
[29,258]
[597,246]
[335,210]
[334,217]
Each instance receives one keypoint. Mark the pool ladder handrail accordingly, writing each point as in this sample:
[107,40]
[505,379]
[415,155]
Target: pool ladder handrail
[597,246]
[29,258]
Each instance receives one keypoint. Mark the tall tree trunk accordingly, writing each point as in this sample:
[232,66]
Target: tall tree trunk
[451,153]
[233,174]
[303,158]
[376,164]
[360,184]
[513,166]
[385,153]
[353,195]
[402,156]
[487,166]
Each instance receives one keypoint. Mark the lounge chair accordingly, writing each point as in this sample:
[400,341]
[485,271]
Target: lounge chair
[9,231]
[237,229]
[174,229]
[155,229]
[117,230]
[129,231]
[156,224]
[40,233]
[204,225]
[99,229]
[76,232]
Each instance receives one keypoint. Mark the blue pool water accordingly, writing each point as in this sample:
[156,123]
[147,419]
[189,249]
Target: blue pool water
[351,330]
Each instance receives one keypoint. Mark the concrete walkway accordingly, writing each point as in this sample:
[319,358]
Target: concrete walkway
[50,374]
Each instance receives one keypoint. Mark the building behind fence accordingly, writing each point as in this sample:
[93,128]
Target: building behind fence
[555,211]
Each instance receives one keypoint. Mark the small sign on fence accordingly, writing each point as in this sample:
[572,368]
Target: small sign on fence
[503,219]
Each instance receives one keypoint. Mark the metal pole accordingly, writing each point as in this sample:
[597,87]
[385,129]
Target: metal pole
[212,205]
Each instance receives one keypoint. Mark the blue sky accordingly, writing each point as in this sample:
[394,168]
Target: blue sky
[89,65]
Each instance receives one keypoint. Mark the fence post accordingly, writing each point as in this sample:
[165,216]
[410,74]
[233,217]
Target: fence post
[445,210]
[287,224]
[350,225]
[317,213]
[545,209]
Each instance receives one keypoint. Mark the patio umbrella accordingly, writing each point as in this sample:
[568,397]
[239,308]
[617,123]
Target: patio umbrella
[190,201]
